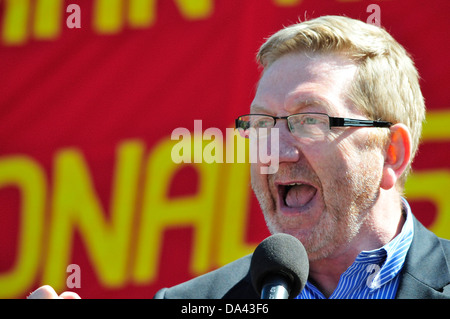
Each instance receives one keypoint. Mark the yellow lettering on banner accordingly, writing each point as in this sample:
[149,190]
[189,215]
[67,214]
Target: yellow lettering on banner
[232,243]
[429,186]
[287,3]
[436,127]
[141,13]
[159,213]
[29,177]
[108,16]
[15,21]
[75,205]
[195,9]
[47,19]
[235,178]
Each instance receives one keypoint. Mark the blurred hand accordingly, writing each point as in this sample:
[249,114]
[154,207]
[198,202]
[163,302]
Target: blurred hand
[47,292]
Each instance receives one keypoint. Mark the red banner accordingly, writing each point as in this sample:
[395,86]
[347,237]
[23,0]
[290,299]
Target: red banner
[91,91]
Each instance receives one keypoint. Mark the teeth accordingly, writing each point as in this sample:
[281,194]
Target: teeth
[294,184]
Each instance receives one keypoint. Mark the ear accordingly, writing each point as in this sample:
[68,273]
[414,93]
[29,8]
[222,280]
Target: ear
[397,157]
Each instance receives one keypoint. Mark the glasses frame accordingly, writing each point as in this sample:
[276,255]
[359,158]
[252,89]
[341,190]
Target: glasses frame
[333,121]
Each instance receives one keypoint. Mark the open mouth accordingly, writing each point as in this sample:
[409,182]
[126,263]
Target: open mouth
[296,195]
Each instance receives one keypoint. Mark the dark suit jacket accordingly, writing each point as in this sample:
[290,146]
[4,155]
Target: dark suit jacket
[425,274]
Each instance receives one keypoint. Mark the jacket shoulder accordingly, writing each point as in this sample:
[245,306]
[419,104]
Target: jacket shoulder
[230,281]
[427,255]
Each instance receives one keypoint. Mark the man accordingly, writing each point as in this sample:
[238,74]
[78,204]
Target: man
[345,98]
[338,189]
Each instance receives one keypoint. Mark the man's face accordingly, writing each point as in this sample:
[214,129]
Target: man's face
[323,189]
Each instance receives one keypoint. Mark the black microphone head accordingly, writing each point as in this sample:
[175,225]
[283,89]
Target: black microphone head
[280,254]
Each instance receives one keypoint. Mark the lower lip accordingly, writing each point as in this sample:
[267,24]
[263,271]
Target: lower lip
[286,210]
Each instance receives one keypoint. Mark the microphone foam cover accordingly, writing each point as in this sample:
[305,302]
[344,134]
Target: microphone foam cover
[280,254]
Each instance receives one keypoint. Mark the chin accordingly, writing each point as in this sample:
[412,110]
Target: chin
[319,242]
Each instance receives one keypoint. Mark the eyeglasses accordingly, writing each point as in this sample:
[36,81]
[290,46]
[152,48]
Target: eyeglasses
[309,125]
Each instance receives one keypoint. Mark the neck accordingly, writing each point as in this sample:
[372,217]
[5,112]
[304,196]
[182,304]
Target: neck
[383,223]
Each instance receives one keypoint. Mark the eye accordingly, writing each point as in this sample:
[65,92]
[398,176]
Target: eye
[313,120]
[309,120]
[263,122]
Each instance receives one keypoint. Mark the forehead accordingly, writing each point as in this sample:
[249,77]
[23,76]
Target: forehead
[300,80]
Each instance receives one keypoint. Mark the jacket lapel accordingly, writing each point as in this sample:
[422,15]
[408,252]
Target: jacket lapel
[425,272]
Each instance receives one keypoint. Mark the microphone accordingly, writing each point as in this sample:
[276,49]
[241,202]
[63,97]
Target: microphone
[279,267]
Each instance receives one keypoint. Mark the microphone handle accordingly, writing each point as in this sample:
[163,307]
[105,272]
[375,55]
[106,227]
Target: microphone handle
[275,287]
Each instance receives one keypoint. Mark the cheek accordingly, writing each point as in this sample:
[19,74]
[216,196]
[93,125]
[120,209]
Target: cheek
[254,172]
[326,161]
[258,180]
[347,151]
[335,166]
[355,168]
[260,186]
[362,155]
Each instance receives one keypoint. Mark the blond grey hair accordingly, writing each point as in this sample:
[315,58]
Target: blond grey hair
[386,85]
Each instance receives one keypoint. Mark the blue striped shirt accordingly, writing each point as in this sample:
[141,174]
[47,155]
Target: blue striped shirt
[374,274]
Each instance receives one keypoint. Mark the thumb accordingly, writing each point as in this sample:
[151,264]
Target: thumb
[44,292]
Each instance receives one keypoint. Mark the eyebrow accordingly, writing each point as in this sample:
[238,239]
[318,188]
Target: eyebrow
[254,108]
[298,105]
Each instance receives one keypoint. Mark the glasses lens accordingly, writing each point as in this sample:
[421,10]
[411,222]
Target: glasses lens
[312,125]
[254,125]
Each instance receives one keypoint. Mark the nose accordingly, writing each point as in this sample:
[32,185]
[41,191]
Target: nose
[288,148]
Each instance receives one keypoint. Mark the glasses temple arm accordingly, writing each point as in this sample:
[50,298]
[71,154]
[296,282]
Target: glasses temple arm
[339,121]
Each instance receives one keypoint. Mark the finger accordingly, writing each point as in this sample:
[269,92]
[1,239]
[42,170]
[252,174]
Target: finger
[44,292]
[69,295]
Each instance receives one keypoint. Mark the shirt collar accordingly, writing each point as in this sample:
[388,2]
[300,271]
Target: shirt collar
[382,264]
[390,258]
